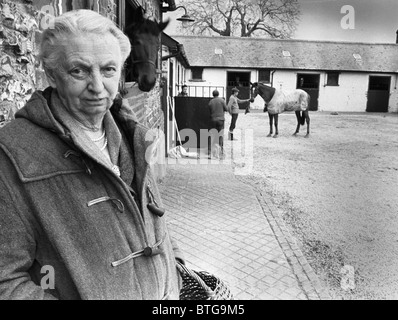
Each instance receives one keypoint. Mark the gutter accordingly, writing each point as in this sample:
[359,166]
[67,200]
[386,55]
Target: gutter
[177,50]
[180,53]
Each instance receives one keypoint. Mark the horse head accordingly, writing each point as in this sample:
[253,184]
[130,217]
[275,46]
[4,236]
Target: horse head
[254,90]
[266,92]
[144,38]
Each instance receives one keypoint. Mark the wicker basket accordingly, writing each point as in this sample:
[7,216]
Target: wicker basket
[201,285]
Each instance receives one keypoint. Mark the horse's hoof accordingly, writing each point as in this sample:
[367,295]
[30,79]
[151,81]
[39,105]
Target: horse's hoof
[294,134]
[275,136]
[270,135]
[307,135]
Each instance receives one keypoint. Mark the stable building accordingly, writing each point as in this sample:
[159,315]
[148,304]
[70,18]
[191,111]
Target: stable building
[339,76]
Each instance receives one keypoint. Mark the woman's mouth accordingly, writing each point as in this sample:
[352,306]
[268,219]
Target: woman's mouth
[95,102]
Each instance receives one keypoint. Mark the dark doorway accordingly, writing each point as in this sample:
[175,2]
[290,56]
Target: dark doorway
[128,18]
[378,94]
[240,80]
[310,84]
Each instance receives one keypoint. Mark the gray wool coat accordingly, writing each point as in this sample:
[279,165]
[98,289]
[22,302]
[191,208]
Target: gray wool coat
[70,227]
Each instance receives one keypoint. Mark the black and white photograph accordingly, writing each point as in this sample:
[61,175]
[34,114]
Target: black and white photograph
[229,150]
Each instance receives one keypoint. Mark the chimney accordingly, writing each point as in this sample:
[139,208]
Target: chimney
[396,41]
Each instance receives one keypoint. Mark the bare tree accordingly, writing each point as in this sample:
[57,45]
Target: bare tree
[244,18]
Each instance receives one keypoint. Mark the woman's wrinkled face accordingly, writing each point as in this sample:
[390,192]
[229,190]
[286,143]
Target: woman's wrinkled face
[88,78]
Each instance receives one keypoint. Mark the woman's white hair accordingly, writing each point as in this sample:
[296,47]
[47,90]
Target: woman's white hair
[77,23]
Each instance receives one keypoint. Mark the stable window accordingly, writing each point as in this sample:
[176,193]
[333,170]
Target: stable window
[197,73]
[332,79]
[264,76]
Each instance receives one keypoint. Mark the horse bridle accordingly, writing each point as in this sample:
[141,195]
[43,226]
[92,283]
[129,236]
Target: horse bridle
[133,62]
[143,61]
[252,93]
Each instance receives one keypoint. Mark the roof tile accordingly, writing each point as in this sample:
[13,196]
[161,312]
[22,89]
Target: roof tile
[309,55]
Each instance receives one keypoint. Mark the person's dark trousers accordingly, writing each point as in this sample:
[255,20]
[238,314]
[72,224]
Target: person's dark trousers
[232,126]
[219,126]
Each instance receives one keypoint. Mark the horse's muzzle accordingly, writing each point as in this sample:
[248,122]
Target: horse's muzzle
[146,84]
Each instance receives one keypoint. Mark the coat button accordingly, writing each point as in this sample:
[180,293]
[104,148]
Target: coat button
[156,210]
[147,251]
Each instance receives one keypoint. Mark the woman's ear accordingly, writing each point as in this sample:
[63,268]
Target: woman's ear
[51,78]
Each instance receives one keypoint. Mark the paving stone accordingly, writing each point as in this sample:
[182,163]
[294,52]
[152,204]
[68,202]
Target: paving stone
[234,234]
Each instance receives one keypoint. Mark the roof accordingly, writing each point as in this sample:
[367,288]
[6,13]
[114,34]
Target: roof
[176,49]
[233,52]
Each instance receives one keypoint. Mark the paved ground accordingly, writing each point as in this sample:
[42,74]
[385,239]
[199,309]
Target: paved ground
[337,194]
[225,228]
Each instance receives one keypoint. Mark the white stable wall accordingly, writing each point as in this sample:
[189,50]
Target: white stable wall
[349,96]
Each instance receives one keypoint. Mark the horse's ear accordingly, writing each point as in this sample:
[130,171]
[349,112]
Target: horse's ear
[163,25]
[251,83]
[138,15]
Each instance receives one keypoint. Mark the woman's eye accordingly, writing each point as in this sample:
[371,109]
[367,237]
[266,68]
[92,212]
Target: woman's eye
[109,71]
[79,73]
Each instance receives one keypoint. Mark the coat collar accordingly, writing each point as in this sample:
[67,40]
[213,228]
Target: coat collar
[32,141]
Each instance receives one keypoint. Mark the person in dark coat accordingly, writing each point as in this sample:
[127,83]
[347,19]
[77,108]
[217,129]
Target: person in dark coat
[80,211]
[184,91]
[217,108]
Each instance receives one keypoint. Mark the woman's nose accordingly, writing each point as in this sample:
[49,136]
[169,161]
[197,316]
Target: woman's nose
[96,83]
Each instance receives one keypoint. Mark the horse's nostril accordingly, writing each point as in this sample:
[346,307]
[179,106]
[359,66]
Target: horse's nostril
[145,84]
[146,87]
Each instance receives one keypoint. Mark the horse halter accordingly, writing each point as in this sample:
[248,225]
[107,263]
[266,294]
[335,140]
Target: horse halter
[143,61]
[254,92]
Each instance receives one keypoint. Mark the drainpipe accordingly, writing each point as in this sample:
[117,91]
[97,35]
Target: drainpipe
[272,77]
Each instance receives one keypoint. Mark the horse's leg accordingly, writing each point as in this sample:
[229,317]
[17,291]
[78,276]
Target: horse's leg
[271,120]
[298,123]
[276,126]
[307,119]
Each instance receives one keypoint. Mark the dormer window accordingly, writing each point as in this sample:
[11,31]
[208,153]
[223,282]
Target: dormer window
[286,53]
[357,57]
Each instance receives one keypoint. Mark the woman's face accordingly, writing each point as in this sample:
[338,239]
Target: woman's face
[88,78]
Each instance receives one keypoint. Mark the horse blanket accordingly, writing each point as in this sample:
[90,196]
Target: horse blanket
[296,100]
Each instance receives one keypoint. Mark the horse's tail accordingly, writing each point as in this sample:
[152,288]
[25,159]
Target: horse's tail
[306,101]
[302,118]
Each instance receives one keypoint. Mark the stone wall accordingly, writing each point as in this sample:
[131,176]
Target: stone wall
[21,23]
[18,51]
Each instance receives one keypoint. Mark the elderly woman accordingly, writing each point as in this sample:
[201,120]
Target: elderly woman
[80,212]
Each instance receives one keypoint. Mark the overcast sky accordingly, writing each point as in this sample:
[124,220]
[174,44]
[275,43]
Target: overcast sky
[374,21]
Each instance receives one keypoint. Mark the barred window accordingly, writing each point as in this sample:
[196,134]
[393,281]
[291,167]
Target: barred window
[197,73]
[264,76]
